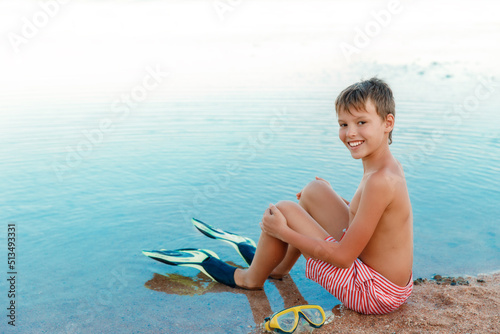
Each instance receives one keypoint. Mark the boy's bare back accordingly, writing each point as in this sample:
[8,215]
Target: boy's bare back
[390,249]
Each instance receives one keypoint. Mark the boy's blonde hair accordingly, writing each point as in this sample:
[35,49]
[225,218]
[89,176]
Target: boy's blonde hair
[356,96]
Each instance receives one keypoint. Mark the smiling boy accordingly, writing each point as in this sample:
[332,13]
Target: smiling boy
[362,251]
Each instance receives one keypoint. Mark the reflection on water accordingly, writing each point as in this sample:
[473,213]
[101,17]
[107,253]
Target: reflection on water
[200,285]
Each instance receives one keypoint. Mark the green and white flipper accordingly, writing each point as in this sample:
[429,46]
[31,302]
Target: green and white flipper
[204,260]
[244,246]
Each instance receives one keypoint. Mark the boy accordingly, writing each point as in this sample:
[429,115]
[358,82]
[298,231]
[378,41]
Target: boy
[362,251]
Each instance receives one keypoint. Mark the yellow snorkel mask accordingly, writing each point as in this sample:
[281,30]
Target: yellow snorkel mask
[286,321]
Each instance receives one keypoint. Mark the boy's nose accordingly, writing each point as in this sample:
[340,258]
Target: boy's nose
[351,132]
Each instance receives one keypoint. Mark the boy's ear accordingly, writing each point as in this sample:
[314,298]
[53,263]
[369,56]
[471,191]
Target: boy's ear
[389,122]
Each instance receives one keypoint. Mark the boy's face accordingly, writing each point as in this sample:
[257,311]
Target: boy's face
[364,131]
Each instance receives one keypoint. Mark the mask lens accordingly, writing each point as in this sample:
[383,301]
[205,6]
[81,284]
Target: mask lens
[287,321]
[314,316]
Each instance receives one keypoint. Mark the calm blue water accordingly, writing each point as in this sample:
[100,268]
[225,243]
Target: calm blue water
[222,157]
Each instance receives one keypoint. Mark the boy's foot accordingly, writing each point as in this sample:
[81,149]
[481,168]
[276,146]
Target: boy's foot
[241,282]
[244,246]
[202,259]
[278,277]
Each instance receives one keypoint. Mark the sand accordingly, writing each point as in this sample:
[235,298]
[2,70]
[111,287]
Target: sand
[433,307]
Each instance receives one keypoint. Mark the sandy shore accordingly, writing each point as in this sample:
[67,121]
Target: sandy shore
[442,305]
[433,307]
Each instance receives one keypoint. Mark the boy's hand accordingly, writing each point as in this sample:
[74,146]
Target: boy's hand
[299,194]
[273,222]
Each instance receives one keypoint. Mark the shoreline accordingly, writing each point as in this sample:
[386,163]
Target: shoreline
[438,305]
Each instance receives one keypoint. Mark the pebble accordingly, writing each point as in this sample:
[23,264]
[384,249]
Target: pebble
[418,281]
[453,281]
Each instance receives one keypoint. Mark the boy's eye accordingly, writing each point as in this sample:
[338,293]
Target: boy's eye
[361,122]
[342,125]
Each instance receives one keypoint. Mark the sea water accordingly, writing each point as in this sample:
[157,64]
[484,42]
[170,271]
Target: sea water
[222,159]
[89,181]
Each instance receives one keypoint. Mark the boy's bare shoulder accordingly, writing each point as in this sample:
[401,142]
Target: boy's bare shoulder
[388,182]
[383,185]
[387,177]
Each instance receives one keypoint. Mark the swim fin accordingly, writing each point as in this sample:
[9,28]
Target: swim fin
[202,259]
[244,246]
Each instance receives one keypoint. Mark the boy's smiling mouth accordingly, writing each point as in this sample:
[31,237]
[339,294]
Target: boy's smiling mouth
[355,143]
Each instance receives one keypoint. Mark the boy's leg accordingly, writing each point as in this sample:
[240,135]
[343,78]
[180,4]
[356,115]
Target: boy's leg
[327,208]
[271,251]
[291,257]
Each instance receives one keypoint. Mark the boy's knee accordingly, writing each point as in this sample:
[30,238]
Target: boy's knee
[313,189]
[288,208]
[284,206]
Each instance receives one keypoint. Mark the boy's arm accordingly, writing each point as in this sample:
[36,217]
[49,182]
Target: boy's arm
[375,198]
[377,194]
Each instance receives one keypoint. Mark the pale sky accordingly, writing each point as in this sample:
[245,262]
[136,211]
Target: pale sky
[104,46]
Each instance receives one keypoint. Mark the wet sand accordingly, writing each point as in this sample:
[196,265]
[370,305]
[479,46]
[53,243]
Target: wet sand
[433,307]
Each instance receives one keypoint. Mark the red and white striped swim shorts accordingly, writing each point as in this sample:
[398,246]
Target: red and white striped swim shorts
[359,287]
